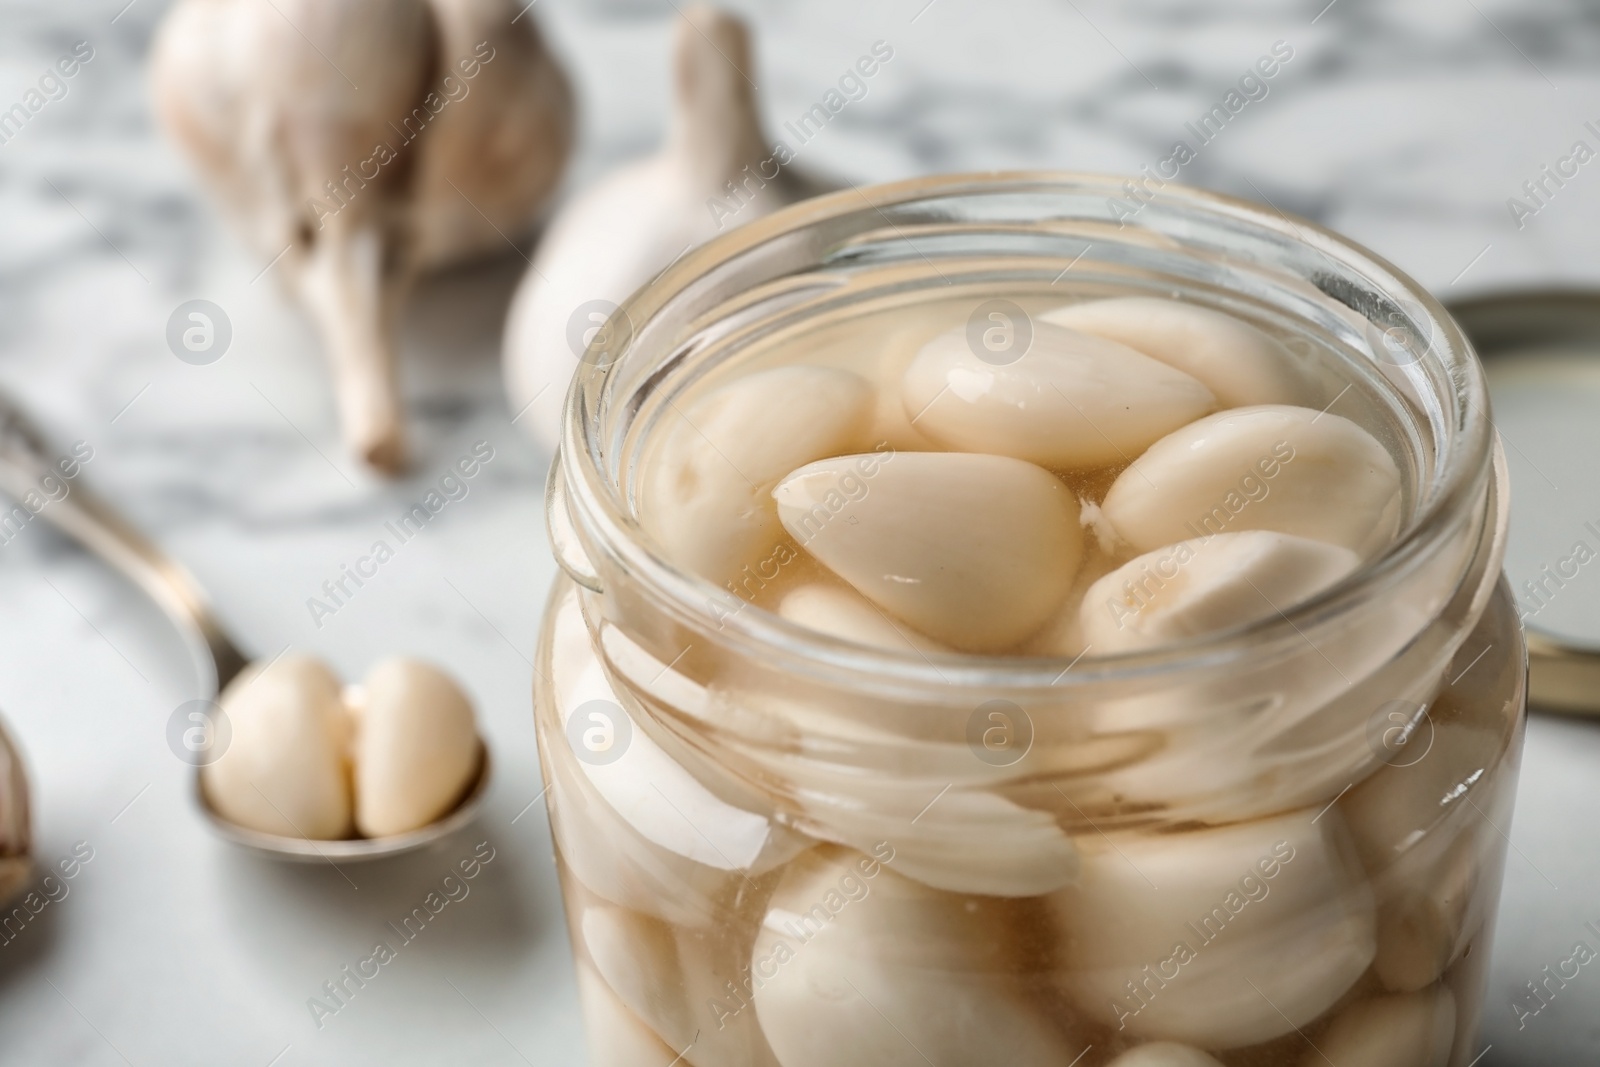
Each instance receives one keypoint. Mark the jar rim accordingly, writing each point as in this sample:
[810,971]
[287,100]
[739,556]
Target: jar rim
[1465,457]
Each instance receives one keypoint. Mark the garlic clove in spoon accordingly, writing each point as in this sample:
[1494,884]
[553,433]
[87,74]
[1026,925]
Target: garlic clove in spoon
[334,129]
[1238,362]
[974,551]
[618,234]
[1205,586]
[1063,402]
[416,748]
[1276,467]
[284,771]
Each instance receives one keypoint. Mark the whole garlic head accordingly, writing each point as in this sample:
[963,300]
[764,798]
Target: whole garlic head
[364,141]
[16,839]
[635,221]
[415,749]
[284,771]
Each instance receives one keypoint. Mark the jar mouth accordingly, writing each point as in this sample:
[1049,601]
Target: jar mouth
[1437,371]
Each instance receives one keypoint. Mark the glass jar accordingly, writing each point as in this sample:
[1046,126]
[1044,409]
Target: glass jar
[1280,845]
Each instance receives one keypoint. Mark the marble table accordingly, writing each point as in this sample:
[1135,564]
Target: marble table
[1407,125]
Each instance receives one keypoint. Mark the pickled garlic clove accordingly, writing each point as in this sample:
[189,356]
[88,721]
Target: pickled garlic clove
[416,749]
[612,829]
[1239,363]
[1416,830]
[1412,1030]
[1290,469]
[706,488]
[1428,913]
[284,771]
[961,840]
[1403,800]
[1164,1054]
[846,614]
[1207,585]
[1185,936]
[856,966]
[684,986]
[1067,401]
[975,551]
[615,1035]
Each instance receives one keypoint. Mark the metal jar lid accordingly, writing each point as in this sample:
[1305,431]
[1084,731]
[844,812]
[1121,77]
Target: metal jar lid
[1541,352]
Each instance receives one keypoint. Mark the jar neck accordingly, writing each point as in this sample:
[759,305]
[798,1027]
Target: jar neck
[773,270]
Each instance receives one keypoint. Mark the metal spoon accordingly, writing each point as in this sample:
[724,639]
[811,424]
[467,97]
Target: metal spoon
[25,462]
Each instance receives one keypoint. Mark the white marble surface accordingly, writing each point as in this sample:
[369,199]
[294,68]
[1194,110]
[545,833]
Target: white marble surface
[1405,124]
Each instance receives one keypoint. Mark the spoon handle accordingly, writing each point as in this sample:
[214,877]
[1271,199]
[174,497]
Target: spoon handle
[25,466]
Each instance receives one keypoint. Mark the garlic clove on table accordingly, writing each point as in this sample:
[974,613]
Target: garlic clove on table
[334,129]
[416,749]
[1062,402]
[618,234]
[1239,363]
[284,771]
[1275,467]
[975,551]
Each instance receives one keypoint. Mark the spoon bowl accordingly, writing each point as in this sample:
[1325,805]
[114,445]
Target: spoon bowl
[354,849]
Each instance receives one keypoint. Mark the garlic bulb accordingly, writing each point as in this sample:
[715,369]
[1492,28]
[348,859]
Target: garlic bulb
[622,232]
[416,748]
[16,845]
[363,141]
[284,771]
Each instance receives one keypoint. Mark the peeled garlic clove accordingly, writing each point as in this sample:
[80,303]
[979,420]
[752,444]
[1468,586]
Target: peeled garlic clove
[846,614]
[974,551]
[622,231]
[679,984]
[1289,469]
[1398,815]
[614,831]
[284,770]
[1430,775]
[1207,585]
[1426,917]
[1413,1030]
[1239,363]
[706,495]
[859,967]
[1071,400]
[614,1034]
[1164,1054]
[960,839]
[1218,938]
[417,749]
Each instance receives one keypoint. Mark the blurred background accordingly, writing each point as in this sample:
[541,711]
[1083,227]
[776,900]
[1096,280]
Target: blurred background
[1408,126]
